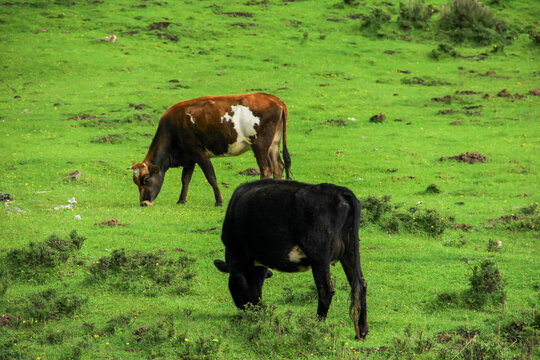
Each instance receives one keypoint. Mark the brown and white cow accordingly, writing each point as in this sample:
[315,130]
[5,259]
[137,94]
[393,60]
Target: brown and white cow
[193,131]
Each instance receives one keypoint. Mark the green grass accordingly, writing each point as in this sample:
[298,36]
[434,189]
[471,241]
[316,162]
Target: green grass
[323,70]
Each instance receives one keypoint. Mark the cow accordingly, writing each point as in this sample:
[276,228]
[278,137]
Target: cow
[193,131]
[291,227]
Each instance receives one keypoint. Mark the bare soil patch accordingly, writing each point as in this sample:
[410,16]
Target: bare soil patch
[471,158]
[250,172]
[111,223]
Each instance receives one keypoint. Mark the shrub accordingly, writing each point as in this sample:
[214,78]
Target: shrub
[375,19]
[393,220]
[470,20]
[414,13]
[525,219]
[146,273]
[48,304]
[41,257]
[486,286]
[444,50]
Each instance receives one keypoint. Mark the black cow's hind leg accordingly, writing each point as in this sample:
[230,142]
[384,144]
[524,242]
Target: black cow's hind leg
[321,275]
[187,171]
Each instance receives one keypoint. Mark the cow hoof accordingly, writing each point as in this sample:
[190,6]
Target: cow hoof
[219,204]
[181,201]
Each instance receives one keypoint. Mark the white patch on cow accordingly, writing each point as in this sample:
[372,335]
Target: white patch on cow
[136,172]
[296,255]
[244,124]
[191,118]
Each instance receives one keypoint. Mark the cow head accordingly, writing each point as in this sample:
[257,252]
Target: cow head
[245,287]
[149,179]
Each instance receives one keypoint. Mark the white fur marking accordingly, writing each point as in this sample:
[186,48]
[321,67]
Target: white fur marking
[190,118]
[296,255]
[244,123]
[136,172]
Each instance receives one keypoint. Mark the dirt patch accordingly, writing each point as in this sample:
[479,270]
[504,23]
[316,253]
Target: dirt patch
[504,93]
[391,170]
[199,231]
[82,117]
[336,122]
[446,112]
[250,172]
[454,123]
[446,98]
[535,92]
[467,92]
[166,36]
[378,118]
[415,80]
[107,139]
[463,227]
[111,223]
[244,25]
[471,158]
[159,25]
[75,175]
[239,14]
[139,106]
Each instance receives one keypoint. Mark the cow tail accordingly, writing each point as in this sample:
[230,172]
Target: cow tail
[286,156]
[357,309]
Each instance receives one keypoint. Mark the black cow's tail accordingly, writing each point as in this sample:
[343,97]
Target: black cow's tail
[357,309]
[286,156]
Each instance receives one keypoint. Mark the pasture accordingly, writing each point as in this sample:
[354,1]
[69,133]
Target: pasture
[449,241]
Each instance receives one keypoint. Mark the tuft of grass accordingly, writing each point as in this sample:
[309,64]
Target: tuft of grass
[393,219]
[40,259]
[146,273]
[46,305]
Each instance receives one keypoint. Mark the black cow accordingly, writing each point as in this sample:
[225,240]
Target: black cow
[291,226]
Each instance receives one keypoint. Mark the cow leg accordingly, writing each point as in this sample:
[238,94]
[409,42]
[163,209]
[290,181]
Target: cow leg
[275,159]
[261,155]
[321,275]
[210,175]
[187,171]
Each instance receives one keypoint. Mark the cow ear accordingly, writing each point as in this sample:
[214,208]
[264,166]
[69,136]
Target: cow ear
[154,169]
[221,266]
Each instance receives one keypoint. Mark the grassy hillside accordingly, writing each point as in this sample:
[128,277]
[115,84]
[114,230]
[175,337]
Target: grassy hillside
[144,285]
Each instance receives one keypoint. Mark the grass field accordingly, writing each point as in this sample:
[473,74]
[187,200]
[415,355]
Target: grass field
[450,249]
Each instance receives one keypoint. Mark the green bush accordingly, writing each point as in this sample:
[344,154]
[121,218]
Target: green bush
[145,273]
[486,286]
[46,305]
[470,20]
[41,258]
[414,13]
[375,19]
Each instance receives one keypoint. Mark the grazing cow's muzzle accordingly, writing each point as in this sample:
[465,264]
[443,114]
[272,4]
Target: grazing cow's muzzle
[147,203]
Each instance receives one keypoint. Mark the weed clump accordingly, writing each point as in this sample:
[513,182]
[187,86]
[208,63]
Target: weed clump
[40,258]
[525,219]
[393,219]
[414,13]
[486,285]
[433,189]
[443,51]
[471,21]
[146,273]
[47,305]
[375,19]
